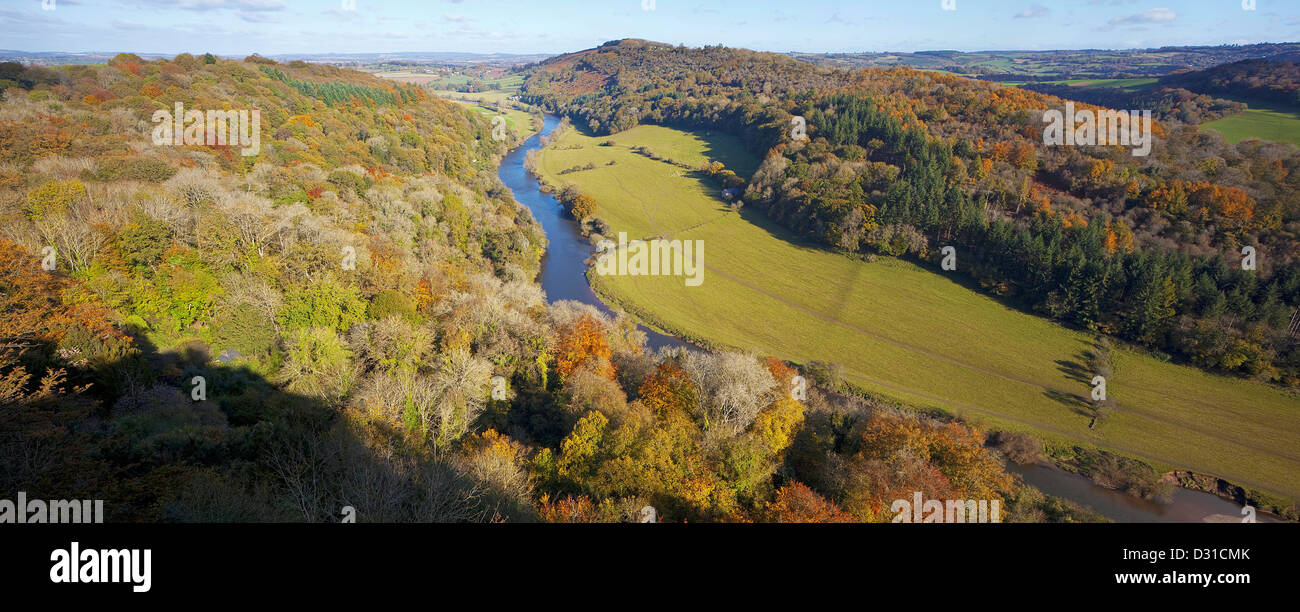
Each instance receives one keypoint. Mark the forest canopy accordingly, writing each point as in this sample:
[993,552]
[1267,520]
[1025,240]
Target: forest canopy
[351,318]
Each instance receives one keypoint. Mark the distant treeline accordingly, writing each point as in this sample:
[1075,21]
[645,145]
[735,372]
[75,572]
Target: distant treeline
[1189,96]
[1165,103]
[1260,79]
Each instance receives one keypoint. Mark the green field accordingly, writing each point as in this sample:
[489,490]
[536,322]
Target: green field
[1263,121]
[484,97]
[909,333]
[435,80]
[1131,84]
[456,80]
[485,102]
[521,122]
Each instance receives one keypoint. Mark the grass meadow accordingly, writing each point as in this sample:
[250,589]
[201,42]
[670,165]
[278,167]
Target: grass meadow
[904,332]
[1262,120]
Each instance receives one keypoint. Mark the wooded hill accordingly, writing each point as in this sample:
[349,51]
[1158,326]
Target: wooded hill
[200,348]
[900,162]
[1192,96]
[1273,81]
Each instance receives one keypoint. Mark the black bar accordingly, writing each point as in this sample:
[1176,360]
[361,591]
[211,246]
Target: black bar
[240,561]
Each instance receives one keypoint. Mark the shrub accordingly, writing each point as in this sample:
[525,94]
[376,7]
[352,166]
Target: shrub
[244,330]
[143,240]
[151,169]
[1117,472]
[53,197]
[825,374]
[296,196]
[1021,448]
[318,363]
[350,180]
[582,207]
[323,304]
[390,302]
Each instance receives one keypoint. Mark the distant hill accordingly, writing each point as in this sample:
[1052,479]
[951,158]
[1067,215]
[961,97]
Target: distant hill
[1051,65]
[1194,97]
[1271,80]
[60,58]
[1166,102]
[417,58]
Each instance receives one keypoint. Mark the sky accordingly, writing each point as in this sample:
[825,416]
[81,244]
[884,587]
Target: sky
[241,27]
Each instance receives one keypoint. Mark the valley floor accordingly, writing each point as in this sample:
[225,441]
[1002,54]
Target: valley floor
[906,332]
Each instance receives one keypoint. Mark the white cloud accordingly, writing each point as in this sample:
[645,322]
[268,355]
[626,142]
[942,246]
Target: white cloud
[1156,15]
[1033,12]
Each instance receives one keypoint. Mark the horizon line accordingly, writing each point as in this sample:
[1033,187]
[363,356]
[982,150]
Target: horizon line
[554,54]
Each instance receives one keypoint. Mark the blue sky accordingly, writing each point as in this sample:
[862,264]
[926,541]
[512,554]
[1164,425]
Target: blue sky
[239,27]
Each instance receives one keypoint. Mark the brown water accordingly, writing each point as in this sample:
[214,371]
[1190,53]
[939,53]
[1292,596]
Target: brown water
[1185,507]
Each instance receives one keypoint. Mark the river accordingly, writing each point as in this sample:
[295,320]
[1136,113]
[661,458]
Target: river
[563,277]
[1187,506]
[563,274]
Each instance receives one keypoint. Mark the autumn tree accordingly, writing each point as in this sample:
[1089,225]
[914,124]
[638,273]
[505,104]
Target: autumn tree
[582,207]
[796,503]
[581,342]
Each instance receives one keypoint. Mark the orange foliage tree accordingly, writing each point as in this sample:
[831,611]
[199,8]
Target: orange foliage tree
[582,342]
[898,455]
[668,390]
[796,503]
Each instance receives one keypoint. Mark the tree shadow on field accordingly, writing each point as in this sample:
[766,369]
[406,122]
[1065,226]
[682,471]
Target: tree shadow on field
[1075,370]
[758,218]
[1076,403]
[733,155]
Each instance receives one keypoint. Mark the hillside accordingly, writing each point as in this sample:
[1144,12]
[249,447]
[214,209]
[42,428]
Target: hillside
[340,314]
[223,296]
[900,331]
[1271,81]
[1166,103]
[1250,99]
[899,162]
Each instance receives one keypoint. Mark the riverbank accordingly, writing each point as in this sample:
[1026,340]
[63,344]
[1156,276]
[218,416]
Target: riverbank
[563,266]
[1185,505]
[565,276]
